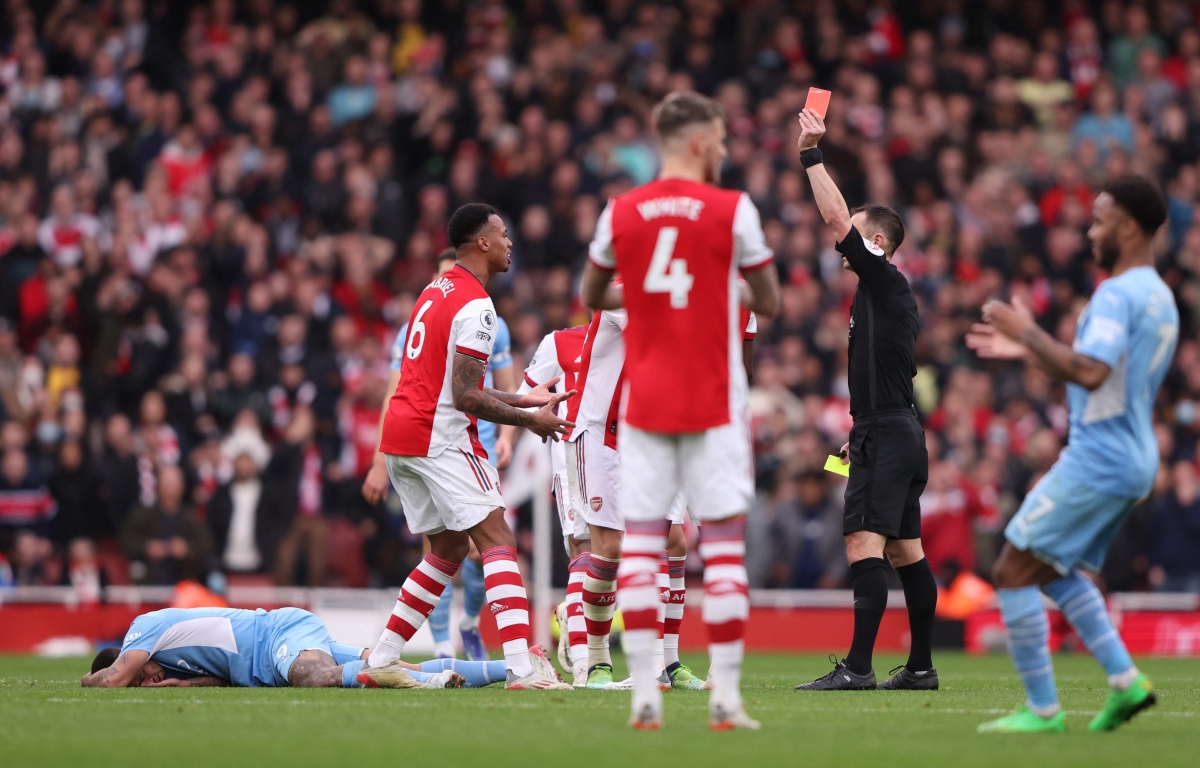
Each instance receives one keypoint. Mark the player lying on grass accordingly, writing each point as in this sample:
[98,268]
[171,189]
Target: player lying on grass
[202,647]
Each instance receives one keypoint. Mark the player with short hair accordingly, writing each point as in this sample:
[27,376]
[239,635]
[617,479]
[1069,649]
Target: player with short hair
[435,459]
[889,463]
[499,453]
[1124,342]
[679,242]
[200,647]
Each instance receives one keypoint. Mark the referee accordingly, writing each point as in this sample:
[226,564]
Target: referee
[886,451]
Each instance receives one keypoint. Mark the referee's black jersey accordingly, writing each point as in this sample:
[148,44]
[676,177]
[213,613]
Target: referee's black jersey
[883,331]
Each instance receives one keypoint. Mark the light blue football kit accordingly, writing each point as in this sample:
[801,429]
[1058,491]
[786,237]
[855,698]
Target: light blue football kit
[1069,519]
[257,648]
[1072,515]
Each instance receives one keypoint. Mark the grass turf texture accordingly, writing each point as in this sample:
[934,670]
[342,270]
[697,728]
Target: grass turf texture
[46,719]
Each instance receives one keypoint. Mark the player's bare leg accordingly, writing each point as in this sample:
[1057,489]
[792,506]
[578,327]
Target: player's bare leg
[726,609]
[508,601]
[600,602]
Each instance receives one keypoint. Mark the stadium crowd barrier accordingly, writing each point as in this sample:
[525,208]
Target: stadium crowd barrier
[55,620]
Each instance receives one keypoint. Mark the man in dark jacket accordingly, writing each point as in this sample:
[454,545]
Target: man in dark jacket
[166,542]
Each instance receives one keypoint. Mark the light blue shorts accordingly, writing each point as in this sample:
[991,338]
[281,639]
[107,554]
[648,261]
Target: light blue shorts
[1067,523]
[293,631]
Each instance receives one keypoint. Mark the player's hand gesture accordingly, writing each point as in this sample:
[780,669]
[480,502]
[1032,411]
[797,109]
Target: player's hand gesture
[546,423]
[542,395]
[990,344]
[1013,320]
[812,128]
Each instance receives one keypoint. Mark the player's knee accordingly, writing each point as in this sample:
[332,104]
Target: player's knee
[452,550]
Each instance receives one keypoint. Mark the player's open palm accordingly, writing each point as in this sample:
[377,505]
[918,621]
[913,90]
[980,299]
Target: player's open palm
[546,424]
[991,344]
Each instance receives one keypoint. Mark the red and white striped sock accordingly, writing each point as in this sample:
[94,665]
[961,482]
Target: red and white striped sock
[664,596]
[576,629]
[418,595]
[599,603]
[509,604]
[676,568]
[641,601]
[726,606]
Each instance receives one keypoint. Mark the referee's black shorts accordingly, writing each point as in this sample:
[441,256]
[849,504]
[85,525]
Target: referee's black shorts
[889,467]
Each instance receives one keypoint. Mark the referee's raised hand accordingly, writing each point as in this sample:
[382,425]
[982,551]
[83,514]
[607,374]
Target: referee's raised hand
[812,128]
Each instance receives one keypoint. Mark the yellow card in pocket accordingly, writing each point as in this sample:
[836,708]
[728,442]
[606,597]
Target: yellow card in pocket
[834,464]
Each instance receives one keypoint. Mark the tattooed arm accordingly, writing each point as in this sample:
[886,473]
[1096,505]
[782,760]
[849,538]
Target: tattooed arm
[505,407]
[120,674]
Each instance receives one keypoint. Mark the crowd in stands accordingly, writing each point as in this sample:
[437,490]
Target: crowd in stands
[214,215]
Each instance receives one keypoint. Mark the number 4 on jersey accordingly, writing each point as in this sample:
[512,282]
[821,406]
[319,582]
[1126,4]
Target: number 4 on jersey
[668,275]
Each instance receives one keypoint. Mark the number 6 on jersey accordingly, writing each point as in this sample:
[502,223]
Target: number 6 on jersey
[416,334]
[668,275]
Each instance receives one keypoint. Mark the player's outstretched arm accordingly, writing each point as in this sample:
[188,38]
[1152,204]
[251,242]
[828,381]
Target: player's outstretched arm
[120,674]
[1060,361]
[505,407]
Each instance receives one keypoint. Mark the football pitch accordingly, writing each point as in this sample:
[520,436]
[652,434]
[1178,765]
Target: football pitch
[46,719]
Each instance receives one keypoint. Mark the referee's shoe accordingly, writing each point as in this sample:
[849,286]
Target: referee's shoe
[903,679]
[842,678]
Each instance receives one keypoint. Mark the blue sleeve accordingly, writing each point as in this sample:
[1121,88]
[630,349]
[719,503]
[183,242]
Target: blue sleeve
[502,350]
[1105,332]
[397,356]
[143,634]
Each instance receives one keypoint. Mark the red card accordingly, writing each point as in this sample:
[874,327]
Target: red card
[818,101]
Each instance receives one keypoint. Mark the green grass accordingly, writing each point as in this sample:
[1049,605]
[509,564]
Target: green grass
[46,719]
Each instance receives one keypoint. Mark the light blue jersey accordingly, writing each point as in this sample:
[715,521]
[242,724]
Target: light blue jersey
[245,648]
[1071,516]
[1131,324]
[501,358]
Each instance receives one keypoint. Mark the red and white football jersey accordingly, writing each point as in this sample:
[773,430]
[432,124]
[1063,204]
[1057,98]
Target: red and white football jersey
[598,405]
[454,315]
[63,240]
[679,246]
[557,356]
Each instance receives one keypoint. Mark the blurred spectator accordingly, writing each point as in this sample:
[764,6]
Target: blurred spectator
[807,532]
[240,517]
[33,563]
[296,481]
[120,476]
[83,573]
[1175,533]
[75,486]
[164,540]
[25,499]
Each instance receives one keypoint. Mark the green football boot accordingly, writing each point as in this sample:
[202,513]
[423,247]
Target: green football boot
[683,679]
[600,676]
[1123,705]
[1026,721]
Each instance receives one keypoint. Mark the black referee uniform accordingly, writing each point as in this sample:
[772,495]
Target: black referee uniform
[889,465]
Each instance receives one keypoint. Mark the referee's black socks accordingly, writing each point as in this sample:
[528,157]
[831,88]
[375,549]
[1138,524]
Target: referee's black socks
[920,595]
[870,600]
